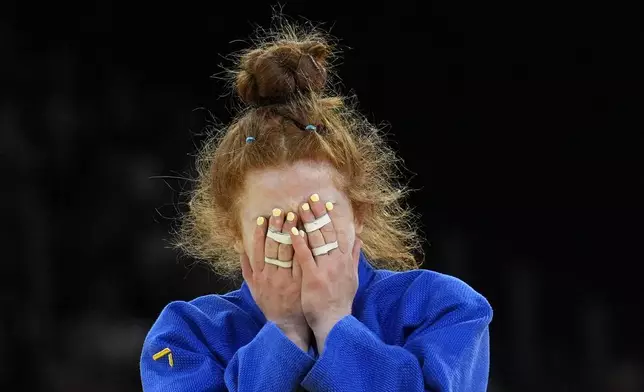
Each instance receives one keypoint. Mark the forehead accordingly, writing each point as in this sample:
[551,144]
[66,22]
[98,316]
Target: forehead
[288,186]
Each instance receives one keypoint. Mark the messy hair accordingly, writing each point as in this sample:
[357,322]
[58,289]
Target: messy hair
[283,82]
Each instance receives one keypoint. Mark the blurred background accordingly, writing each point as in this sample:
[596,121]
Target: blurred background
[521,121]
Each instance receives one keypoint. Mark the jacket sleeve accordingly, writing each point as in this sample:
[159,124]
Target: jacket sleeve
[443,325]
[218,348]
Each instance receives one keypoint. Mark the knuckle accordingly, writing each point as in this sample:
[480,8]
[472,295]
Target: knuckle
[286,247]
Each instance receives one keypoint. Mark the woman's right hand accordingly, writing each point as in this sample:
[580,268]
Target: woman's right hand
[277,290]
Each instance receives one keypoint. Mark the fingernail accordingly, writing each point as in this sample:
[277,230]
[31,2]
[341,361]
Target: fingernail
[302,233]
[294,230]
[305,206]
[277,212]
[315,197]
[290,216]
[329,206]
[260,221]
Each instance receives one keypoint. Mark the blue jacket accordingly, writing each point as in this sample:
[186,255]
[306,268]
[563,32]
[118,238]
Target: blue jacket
[409,331]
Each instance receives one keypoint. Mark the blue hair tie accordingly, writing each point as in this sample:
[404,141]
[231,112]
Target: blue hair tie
[311,128]
[249,139]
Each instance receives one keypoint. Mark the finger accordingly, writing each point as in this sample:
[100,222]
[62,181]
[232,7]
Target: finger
[271,246]
[247,270]
[340,232]
[342,235]
[285,251]
[357,246]
[296,269]
[328,231]
[315,238]
[283,274]
[259,240]
[303,255]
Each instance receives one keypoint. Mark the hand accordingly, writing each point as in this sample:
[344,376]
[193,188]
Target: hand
[277,290]
[329,281]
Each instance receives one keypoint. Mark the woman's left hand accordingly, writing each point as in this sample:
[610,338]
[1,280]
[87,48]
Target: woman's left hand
[329,281]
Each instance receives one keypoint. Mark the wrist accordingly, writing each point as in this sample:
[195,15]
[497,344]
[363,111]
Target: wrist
[323,329]
[325,325]
[299,335]
[300,341]
[321,332]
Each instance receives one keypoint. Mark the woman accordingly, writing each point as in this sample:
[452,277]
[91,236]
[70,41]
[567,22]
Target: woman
[299,193]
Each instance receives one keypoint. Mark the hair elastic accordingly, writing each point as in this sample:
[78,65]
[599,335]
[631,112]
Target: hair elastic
[250,139]
[308,127]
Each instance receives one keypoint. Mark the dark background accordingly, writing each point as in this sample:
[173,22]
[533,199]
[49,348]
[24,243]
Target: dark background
[522,122]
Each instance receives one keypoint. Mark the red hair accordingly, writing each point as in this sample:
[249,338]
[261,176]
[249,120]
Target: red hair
[283,83]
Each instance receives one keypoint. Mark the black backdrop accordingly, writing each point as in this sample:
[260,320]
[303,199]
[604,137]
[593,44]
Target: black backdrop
[521,121]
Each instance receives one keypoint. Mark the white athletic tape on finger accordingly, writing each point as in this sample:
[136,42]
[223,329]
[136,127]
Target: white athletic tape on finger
[320,250]
[279,263]
[318,223]
[282,238]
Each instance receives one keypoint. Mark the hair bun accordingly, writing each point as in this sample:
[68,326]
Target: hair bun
[274,73]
